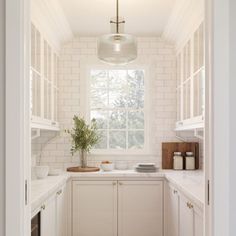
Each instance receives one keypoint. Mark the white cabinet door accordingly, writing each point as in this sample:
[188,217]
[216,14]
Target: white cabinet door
[61,208]
[185,218]
[172,211]
[48,218]
[94,208]
[198,221]
[140,208]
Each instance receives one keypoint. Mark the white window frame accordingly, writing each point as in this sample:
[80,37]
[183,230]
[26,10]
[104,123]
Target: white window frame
[85,106]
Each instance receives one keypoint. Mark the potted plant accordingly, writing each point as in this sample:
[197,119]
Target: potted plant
[84,137]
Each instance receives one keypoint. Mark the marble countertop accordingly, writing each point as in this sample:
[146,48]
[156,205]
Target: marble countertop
[189,182]
[41,189]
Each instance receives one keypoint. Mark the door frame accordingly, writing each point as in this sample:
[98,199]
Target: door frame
[17,117]
[220,111]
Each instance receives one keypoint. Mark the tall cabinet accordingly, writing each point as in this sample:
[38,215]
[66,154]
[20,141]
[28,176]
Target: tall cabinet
[190,82]
[44,77]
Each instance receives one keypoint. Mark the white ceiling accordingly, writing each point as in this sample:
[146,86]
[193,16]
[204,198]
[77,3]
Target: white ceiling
[143,17]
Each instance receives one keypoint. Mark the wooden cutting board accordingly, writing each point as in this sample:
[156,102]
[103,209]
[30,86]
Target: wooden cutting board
[80,169]
[168,150]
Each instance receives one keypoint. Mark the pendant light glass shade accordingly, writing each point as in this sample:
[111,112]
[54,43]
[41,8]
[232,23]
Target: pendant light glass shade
[117,49]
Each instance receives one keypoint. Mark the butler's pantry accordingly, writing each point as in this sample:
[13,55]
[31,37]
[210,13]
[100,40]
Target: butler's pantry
[117,102]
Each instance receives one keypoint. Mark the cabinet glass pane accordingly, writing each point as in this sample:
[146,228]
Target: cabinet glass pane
[198,99]
[178,104]
[55,104]
[49,101]
[33,46]
[196,51]
[201,46]
[35,94]
[187,61]
[178,69]
[46,89]
[38,52]
[187,99]
[45,59]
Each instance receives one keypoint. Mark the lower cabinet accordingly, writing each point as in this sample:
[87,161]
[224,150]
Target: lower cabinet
[94,207]
[172,211]
[111,208]
[53,215]
[48,217]
[183,218]
[140,208]
[61,212]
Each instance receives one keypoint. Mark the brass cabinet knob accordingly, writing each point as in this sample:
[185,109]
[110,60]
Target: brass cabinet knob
[114,183]
[120,183]
[43,207]
[59,192]
[189,205]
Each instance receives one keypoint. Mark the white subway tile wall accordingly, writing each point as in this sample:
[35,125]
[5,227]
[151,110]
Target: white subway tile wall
[53,149]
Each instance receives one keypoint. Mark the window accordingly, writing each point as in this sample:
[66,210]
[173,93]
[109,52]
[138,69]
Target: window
[117,103]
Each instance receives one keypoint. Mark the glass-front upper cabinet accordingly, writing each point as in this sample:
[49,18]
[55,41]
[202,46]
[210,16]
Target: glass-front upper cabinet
[199,73]
[190,82]
[35,72]
[44,90]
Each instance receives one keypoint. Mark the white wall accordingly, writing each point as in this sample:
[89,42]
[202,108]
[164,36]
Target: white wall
[2,116]
[224,116]
[232,84]
[157,54]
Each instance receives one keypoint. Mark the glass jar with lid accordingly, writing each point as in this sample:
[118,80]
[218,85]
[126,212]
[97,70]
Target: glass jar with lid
[190,161]
[178,161]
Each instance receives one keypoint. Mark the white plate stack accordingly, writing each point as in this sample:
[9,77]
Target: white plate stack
[146,167]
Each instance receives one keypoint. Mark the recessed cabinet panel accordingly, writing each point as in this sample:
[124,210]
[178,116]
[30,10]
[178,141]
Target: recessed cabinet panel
[62,205]
[140,210]
[94,208]
[172,211]
[48,218]
[185,218]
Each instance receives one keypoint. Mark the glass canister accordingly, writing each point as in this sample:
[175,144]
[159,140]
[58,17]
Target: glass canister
[178,163]
[189,161]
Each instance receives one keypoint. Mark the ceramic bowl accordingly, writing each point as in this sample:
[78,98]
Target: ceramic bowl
[55,172]
[121,165]
[107,166]
[41,171]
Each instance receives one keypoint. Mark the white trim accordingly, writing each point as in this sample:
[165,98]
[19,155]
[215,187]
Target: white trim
[17,117]
[85,106]
[49,17]
[186,15]
[2,117]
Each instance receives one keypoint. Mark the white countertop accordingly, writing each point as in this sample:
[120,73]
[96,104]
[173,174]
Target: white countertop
[41,189]
[189,182]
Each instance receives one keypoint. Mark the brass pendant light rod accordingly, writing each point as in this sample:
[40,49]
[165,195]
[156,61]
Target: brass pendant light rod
[117,22]
[117,16]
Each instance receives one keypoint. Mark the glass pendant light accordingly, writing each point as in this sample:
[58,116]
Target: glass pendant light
[117,48]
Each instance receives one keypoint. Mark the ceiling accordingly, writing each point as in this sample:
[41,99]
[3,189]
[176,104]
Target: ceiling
[92,17]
